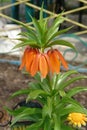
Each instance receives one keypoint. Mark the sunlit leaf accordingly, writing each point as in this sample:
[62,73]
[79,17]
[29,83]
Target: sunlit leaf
[35,126]
[59,32]
[76,90]
[63,77]
[26,43]
[34,94]
[20,92]
[72,80]
[62,43]
[24,114]
[71,108]
[54,27]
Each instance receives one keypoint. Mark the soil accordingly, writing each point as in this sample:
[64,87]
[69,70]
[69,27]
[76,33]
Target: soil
[11,80]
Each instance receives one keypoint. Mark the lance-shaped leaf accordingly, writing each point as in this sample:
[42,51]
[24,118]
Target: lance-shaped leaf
[72,108]
[59,32]
[63,77]
[27,43]
[76,90]
[35,126]
[24,114]
[68,82]
[62,43]
[54,27]
[35,94]
[20,92]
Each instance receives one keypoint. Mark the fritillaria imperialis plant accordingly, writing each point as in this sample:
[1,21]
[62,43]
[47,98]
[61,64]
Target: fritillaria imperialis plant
[59,110]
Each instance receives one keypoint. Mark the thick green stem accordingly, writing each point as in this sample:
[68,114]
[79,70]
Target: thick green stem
[42,50]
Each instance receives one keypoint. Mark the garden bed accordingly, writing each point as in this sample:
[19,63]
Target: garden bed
[11,80]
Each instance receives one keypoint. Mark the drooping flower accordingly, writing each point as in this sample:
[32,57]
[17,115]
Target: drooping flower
[56,58]
[27,59]
[40,64]
[77,119]
[35,61]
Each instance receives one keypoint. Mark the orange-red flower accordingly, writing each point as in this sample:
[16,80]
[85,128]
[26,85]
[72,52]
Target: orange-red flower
[55,59]
[34,62]
[27,59]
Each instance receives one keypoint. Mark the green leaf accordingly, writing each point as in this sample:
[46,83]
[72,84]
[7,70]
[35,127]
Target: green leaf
[63,77]
[46,82]
[24,39]
[59,33]
[41,21]
[47,123]
[66,127]
[71,108]
[32,33]
[67,101]
[15,112]
[35,126]
[54,27]
[47,108]
[76,90]
[41,85]
[61,42]
[58,20]
[24,34]
[34,94]
[67,83]
[54,80]
[20,92]
[62,93]
[33,36]
[34,86]
[38,29]
[37,77]
[24,114]
[57,122]
[26,43]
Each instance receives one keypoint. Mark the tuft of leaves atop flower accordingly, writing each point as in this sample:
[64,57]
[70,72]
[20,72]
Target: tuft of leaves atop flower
[42,36]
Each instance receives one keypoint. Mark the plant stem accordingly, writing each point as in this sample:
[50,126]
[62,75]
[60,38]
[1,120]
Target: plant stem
[42,50]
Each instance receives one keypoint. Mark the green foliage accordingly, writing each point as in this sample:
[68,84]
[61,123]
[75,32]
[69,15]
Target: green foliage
[42,36]
[56,102]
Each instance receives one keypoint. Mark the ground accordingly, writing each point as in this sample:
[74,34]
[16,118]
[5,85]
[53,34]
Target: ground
[11,80]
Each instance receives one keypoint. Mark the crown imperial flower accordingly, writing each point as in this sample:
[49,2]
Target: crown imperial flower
[77,119]
[34,61]
[55,59]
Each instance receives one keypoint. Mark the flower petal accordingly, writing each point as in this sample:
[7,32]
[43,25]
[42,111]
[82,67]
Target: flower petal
[61,58]
[43,66]
[34,65]
[54,62]
[77,119]
[23,59]
[29,58]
